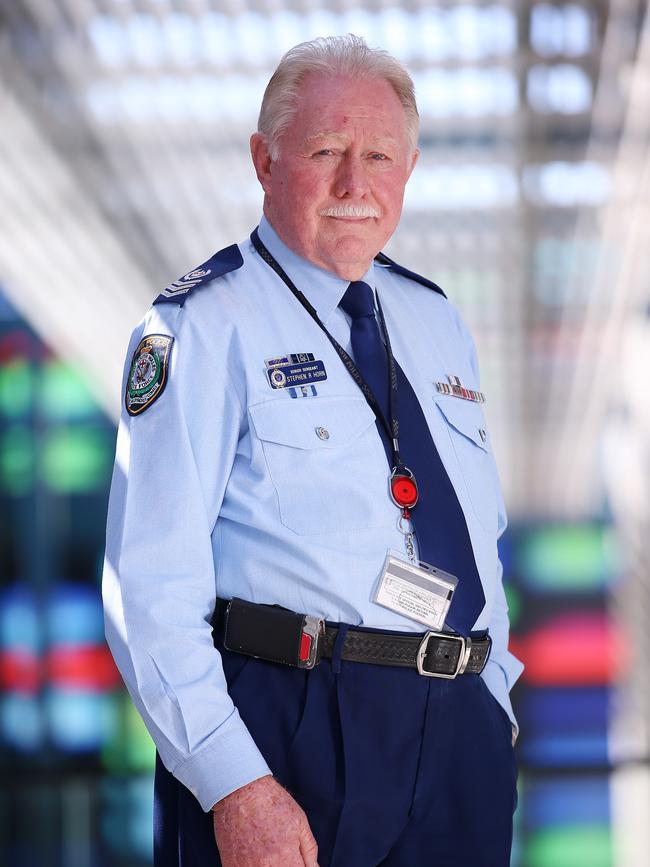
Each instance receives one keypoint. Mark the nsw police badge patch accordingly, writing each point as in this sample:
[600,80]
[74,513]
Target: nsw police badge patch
[148,373]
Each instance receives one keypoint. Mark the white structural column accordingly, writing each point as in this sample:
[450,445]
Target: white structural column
[625,414]
[62,266]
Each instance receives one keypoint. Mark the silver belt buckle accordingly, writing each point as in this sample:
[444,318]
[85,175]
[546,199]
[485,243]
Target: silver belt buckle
[463,656]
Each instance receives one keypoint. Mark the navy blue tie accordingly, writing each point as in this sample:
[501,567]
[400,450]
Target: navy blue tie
[440,526]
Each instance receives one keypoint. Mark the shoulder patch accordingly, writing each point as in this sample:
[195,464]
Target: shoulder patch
[226,260]
[385,262]
[148,373]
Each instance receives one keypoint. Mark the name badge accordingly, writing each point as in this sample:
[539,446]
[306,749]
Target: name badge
[288,375]
[415,590]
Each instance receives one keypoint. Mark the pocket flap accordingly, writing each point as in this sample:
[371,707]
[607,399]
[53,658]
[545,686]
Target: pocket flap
[466,417]
[311,422]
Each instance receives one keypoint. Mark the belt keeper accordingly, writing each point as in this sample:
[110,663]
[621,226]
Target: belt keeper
[466,655]
[337,650]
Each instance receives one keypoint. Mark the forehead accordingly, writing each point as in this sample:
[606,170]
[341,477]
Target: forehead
[338,104]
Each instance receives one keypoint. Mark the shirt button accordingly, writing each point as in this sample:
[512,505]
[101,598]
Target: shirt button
[322,433]
[482,433]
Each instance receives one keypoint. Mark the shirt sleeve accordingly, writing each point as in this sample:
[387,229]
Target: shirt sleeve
[503,668]
[172,464]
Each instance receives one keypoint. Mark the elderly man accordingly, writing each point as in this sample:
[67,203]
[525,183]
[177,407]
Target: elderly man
[302,585]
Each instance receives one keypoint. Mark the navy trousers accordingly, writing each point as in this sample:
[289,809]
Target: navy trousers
[392,769]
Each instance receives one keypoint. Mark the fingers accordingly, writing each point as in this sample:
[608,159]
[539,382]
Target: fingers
[308,847]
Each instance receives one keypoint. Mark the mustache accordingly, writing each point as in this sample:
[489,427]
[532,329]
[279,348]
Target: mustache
[354,211]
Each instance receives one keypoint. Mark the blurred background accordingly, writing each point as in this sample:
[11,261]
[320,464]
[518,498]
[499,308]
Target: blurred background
[123,164]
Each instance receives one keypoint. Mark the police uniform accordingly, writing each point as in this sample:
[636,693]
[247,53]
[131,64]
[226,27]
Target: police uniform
[230,484]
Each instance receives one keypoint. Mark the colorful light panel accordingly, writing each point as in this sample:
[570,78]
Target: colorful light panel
[559,750]
[582,648]
[76,460]
[63,394]
[573,708]
[587,845]
[16,387]
[74,615]
[567,801]
[126,818]
[19,625]
[21,722]
[80,721]
[131,749]
[17,460]
[574,558]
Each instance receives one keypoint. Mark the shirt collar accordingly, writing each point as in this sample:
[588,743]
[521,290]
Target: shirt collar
[322,289]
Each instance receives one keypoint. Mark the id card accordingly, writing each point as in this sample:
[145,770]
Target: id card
[415,590]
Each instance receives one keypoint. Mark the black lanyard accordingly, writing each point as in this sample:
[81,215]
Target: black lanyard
[403,497]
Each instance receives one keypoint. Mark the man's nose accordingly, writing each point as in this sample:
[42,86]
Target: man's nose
[351,179]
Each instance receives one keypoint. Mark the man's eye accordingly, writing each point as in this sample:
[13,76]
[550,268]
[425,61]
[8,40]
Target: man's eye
[379,156]
[324,152]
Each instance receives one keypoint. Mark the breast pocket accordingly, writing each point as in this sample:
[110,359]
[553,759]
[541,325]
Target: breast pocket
[471,443]
[324,458]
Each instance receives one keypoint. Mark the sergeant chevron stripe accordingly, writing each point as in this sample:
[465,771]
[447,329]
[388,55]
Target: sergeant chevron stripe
[226,260]
[189,281]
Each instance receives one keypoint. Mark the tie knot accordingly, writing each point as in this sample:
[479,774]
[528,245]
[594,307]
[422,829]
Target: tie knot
[359,300]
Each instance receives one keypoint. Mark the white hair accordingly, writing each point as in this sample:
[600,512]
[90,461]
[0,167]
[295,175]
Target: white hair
[330,56]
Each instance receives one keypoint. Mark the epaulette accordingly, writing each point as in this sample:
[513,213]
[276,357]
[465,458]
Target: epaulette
[226,260]
[383,260]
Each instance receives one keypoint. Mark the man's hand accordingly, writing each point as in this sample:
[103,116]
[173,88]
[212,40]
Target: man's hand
[260,825]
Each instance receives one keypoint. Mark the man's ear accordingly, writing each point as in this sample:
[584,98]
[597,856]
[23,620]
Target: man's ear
[414,159]
[261,160]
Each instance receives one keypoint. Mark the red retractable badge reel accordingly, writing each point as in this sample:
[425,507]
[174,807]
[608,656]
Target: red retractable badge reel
[404,489]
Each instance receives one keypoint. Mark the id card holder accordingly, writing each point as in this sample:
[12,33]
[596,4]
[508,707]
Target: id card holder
[415,590]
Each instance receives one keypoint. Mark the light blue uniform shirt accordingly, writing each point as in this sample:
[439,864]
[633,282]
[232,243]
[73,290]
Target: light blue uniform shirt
[222,487]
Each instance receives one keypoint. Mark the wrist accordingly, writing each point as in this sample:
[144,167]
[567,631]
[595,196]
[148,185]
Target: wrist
[237,794]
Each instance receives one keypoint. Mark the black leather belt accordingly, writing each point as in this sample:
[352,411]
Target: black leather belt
[279,635]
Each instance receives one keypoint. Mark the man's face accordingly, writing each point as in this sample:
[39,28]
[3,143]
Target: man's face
[334,194]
